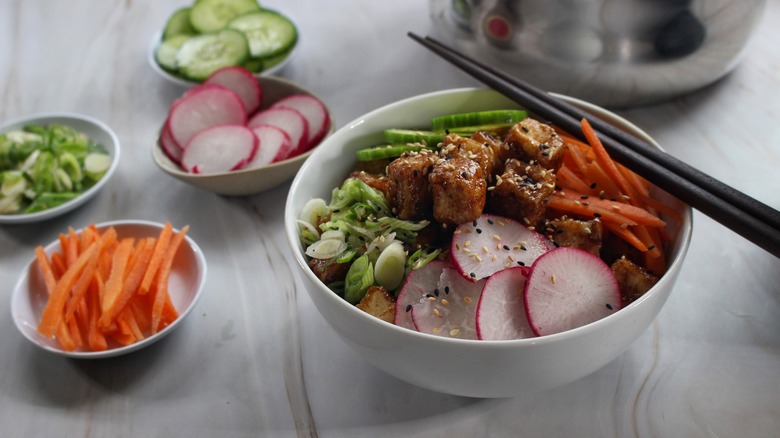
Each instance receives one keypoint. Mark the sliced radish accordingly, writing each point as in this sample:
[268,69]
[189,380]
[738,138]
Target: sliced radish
[313,110]
[208,106]
[288,120]
[274,145]
[220,149]
[242,82]
[169,146]
[569,288]
[452,310]
[420,285]
[501,310]
[492,243]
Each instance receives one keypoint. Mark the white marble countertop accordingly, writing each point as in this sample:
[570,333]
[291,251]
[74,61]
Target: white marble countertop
[255,359]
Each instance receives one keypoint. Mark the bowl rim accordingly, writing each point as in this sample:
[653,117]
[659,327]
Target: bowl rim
[291,230]
[19,293]
[84,196]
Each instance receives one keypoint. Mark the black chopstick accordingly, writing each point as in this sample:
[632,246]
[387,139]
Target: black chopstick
[744,215]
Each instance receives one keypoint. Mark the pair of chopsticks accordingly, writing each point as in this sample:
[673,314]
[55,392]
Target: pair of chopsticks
[746,216]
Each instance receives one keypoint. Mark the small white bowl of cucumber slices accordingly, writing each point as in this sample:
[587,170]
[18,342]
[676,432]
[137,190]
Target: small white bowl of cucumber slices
[53,163]
[199,39]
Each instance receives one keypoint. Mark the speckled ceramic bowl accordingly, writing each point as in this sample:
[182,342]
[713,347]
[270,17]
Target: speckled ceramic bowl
[456,366]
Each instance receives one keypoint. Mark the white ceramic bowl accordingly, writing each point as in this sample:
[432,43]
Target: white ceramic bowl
[456,366]
[246,181]
[188,275]
[93,128]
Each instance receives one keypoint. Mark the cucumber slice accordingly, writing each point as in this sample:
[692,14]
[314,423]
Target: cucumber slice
[178,24]
[269,33]
[387,151]
[403,136]
[202,55]
[466,131]
[213,15]
[477,118]
[167,50]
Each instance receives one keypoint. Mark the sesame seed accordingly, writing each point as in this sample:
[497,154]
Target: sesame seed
[490,221]
[467,300]
[436,292]
[467,243]
[552,279]
[436,312]
[436,329]
[408,307]
[485,249]
[609,306]
[444,302]
[431,298]
[479,231]
[454,332]
[446,289]
[519,262]
[497,237]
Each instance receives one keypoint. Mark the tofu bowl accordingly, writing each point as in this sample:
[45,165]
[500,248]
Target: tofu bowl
[443,361]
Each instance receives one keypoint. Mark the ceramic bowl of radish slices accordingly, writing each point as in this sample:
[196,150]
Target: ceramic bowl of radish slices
[237,134]
[495,308]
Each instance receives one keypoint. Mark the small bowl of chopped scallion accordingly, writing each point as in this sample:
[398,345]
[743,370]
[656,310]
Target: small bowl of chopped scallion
[51,164]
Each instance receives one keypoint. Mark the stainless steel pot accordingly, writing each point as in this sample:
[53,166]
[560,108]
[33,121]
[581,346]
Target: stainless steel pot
[615,53]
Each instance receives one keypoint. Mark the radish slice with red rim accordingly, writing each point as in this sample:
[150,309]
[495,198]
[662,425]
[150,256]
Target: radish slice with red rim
[501,311]
[288,120]
[313,110]
[420,285]
[569,288]
[491,243]
[220,149]
[242,82]
[451,310]
[206,107]
[169,146]
[274,145]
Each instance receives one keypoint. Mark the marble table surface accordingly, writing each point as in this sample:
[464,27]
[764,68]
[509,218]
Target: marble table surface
[255,358]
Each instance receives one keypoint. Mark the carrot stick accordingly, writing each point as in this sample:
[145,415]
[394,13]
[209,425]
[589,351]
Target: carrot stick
[161,281]
[115,279]
[75,332]
[163,241]
[562,203]
[64,338]
[52,313]
[58,264]
[46,269]
[572,180]
[579,158]
[73,247]
[604,160]
[79,290]
[637,214]
[627,235]
[604,185]
[128,318]
[136,270]
[95,338]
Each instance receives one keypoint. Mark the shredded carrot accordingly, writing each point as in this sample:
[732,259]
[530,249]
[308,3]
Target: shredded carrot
[573,180]
[589,211]
[159,252]
[95,298]
[161,281]
[636,214]
[46,269]
[604,160]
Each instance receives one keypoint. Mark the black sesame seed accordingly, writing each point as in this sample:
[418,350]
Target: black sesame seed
[408,307]
[473,275]
[506,247]
[545,154]
[596,214]
[593,185]
[520,263]
[464,174]
[479,231]
[609,306]
[474,223]
[428,296]
[490,221]
[584,197]
[523,248]
[524,128]
[446,289]
[436,292]
[651,247]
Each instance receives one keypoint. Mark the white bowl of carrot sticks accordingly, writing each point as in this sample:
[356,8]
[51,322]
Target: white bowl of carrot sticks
[109,288]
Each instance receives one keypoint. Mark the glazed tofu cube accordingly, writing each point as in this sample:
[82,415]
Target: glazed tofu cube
[534,141]
[633,280]
[575,233]
[522,192]
[455,146]
[459,191]
[379,303]
[409,190]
